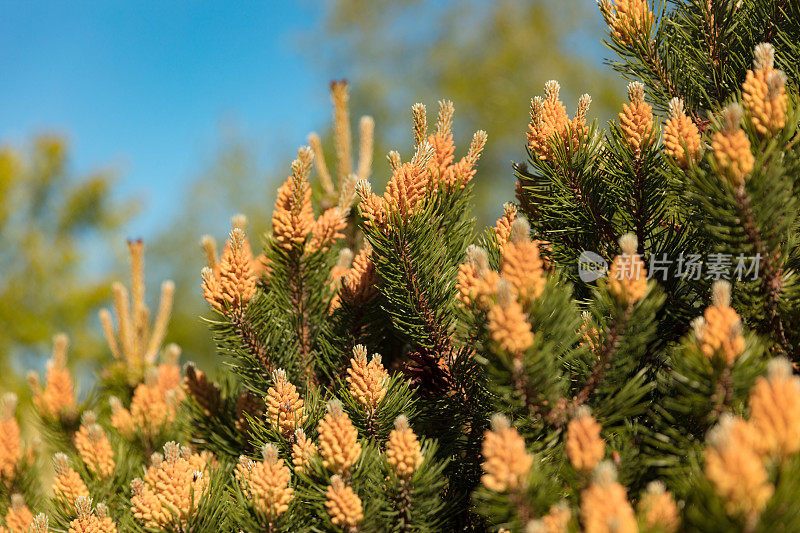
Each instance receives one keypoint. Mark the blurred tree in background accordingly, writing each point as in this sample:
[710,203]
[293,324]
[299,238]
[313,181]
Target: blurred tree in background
[56,230]
[490,58]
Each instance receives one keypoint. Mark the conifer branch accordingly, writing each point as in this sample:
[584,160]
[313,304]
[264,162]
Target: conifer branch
[247,334]
[440,339]
[405,507]
[716,52]
[430,367]
[589,203]
[771,275]
[604,360]
[723,393]
[640,211]
[522,506]
[495,329]
[298,295]
[653,61]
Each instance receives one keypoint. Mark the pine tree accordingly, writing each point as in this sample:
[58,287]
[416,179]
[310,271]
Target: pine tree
[386,366]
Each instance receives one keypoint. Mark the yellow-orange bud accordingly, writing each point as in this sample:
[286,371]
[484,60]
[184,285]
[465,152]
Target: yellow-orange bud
[267,483]
[731,147]
[719,332]
[459,174]
[506,463]
[584,446]
[508,323]
[604,504]
[93,446]
[303,450]
[589,334]
[121,418]
[89,521]
[627,276]
[367,381]
[549,120]
[407,188]
[338,439]
[629,21]
[233,283]
[374,209]
[360,282]
[19,518]
[172,488]
[285,408]
[636,119]
[10,445]
[764,92]
[521,265]
[476,282]
[442,141]
[293,217]
[327,229]
[343,505]
[67,484]
[58,396]
[658,510]
[403,451]
[681,135]
[502,228]
[152,409]
[737,471]
[442,169]
[775,409]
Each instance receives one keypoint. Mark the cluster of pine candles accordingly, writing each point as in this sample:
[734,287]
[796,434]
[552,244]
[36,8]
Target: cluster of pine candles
[386,370]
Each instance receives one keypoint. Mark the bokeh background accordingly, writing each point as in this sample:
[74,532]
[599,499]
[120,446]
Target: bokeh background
[160,120]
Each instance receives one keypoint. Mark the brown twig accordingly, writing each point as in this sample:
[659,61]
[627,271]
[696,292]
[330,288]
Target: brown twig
[587,203]
[604,360]
[252,344]
[441,341]
[429,368]
[298,294]
[771,275]
[523,386]
[723,393]
[404,504]
[716,53]
[640,208]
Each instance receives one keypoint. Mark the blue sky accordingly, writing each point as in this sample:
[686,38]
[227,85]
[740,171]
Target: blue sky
[142,87]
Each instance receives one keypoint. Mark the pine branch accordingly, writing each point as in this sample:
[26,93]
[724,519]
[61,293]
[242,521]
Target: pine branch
[250,339]
[406,508]
[604,360]
[772,278]
[298,296]
[440,341]
[723,394]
